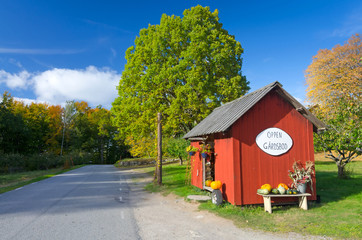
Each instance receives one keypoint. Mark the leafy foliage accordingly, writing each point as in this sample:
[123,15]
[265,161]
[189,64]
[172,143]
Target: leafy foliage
[184,68]
[176,147]
[142,146]
[91,131]
[31,135]
[11,163]
[67,119]
[13,131]
[334,88]
[343,139]
[335,74]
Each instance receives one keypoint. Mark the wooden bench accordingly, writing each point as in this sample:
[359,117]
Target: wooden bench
[303,202]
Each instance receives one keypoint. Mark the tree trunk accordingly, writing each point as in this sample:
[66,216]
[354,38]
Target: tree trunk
[102,150]
[159,149]
[107,152]
[181,161]
[61,147]
[340,171]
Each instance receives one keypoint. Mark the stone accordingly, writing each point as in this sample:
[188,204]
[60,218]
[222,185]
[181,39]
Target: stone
[199,197]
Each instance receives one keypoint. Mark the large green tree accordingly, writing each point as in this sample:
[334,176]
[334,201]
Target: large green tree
[342,140]
[184,68]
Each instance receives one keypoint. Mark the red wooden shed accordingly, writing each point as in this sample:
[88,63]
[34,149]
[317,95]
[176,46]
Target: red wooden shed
[270,115]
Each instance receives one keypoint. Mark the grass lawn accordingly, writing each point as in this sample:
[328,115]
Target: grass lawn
[339,215]
[13,181]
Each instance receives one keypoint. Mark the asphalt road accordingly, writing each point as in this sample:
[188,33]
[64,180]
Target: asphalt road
[87,203]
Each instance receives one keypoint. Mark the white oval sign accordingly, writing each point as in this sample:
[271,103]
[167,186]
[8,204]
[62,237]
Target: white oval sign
[274,141]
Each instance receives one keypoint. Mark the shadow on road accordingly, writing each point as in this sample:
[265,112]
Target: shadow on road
[85,189]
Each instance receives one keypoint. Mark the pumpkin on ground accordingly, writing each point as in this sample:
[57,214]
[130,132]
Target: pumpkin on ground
[267,187]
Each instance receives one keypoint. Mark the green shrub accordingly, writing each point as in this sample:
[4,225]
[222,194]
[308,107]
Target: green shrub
[78,158]
[10,163]
[43,161]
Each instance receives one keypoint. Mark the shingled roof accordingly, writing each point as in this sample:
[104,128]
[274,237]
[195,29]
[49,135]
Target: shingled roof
[226,115]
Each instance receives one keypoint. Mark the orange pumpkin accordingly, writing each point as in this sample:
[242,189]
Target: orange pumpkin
[207,183]
[283,185]
[213,185]
[267,187]
[216,185]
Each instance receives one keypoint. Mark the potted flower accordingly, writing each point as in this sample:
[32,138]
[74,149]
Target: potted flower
[302,176]
[205,150]
[191,150]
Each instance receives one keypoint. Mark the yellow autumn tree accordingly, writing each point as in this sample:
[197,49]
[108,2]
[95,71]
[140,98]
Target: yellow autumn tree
[334,75]
[142,147]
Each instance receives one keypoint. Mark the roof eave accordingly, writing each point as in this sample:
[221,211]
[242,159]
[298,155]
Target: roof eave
[317,124]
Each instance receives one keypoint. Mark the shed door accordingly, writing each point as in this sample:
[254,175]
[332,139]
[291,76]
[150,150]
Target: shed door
[208,164]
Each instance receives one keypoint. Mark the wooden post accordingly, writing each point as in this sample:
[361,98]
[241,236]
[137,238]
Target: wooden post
[159,149]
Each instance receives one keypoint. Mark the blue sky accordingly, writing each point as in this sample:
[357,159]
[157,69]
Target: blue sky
[55,51]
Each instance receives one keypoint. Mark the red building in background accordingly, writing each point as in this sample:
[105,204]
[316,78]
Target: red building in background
[255,139]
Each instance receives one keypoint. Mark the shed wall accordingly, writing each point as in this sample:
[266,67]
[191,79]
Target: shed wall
[196,168]
[258,167]
[224,167]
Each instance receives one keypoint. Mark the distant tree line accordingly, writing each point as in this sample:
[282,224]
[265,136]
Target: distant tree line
[39,135]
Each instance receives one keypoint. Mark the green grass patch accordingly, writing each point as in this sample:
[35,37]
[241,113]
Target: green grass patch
[173,181]
[13,181]
[338,215]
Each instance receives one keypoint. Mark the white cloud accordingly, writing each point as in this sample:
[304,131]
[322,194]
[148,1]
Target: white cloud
[16,63]
[27,101]
[114,52]
[15,81]
[34,51]
[347,31]
[351,25]
[106,26]
[97,86]
[93,85]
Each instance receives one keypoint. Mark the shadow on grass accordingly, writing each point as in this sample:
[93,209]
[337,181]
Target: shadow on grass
[326,163]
